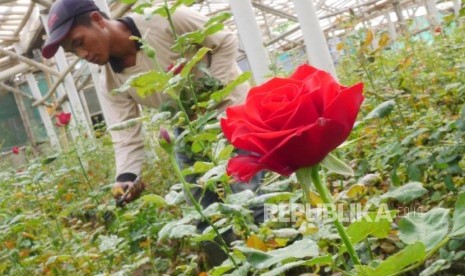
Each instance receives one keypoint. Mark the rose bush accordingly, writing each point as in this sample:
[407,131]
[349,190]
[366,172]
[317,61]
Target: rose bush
[290,123]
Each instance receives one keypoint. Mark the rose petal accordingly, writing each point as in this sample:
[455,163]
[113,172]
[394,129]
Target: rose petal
[254,105]
[324,90]
[244,167]
[307,146]
[345,107]
[305,113]
[303,71]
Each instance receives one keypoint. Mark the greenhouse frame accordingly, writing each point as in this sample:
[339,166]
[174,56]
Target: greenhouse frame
[32,88]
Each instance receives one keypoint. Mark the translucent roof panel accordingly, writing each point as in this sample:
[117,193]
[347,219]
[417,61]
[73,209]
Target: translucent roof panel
[276,19]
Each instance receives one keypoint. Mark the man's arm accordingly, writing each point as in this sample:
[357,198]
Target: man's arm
[128,143]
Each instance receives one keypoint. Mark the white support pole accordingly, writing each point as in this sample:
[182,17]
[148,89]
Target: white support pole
[70,89]
[400,16]
[391,27]
[315,42]
[457,6]
[433,13]
[94,69]
[251,38]
[54,142]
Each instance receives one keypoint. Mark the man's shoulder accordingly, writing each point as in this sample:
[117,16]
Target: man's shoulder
[180,12]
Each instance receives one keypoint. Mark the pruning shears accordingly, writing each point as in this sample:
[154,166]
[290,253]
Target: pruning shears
[120,201]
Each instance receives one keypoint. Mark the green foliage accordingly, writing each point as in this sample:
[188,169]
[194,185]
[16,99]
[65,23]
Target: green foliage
[395,263]
[407,192]
[299,249]
[360,230]
[429,228]
[458,223]
[57,215]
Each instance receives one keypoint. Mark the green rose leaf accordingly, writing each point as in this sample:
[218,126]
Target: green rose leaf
[458,228]
[407,192]
[213,29]
[336,165]
[154,199]
[221,17]
[220,270]
[298,250]
[195,59]
[429,228]
[127,124]
[199,167]
[109,243]
[435,267]
[382,110]
[271,198]
[240,198]
[177,229]
[218,96]
[365,227]
[145,83]
[183,230]
[323,260]
[409,255]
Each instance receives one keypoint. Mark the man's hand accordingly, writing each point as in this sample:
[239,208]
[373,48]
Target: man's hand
[125,192]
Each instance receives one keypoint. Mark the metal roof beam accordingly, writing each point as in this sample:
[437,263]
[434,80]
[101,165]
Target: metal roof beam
[29,62]
[15,90]
[282,36]
[44,3]
[25,19]
[5,17]
[56,83]
[8,73]
[274,11]
[6,39]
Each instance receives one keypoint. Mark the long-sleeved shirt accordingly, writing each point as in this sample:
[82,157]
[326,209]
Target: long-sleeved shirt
[157,33]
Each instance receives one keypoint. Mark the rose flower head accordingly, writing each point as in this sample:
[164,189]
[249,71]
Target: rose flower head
[290,123]
[175,69]
[166,139]
[63,119]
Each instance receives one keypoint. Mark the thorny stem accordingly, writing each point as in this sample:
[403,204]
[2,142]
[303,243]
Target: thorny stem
[311,174]
[198,208]
[175,36]
[57,225]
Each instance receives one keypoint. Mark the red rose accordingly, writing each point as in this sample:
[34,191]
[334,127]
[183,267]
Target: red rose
[290,123]
[63,119]
[15,150]
[176,70]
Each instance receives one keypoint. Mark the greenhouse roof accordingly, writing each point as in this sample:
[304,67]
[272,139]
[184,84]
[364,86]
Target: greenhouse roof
[21,30]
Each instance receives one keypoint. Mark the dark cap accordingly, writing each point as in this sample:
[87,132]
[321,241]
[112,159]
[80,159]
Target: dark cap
[60,21]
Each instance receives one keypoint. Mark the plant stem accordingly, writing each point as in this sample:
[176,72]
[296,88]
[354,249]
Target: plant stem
[305,175]
[175,36]
[57,224]
[198,208]
[368,246]
[170,20]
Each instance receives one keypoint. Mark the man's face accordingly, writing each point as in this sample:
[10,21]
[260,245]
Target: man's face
[88,42]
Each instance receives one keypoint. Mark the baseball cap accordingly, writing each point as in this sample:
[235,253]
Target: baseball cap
[60,20]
